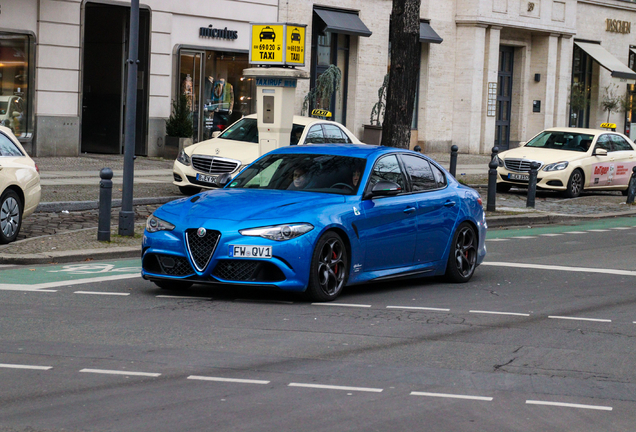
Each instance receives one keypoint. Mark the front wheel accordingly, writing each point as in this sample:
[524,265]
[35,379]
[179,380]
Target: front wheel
[575,184]
[462,258]
[10,216]
[329,268]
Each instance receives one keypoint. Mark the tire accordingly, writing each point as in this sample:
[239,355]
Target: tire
[503,187]
[10,216]
[329,268]
[173,285]
[462,258]
[189,190]
[575,184]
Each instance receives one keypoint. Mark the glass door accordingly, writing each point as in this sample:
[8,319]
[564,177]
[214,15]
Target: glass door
[190,66]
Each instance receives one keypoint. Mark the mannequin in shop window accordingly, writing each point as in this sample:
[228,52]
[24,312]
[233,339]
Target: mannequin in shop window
[223,95]
[186,89]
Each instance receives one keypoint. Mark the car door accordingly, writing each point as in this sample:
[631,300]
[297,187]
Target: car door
[388,229]
[598,172]
[437,208]
[624,158]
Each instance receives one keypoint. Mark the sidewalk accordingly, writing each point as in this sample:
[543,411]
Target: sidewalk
[64,228]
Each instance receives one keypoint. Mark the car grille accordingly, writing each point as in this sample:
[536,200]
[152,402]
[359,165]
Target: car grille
[248,271]
[201,248]
[216,165]
[167,264]
[519,165]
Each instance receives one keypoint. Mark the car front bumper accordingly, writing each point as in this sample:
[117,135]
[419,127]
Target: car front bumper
[552,180]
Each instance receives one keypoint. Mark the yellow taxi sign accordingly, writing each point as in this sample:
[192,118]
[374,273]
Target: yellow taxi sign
[295,45]
[608,126]
[278,44]
[320,113]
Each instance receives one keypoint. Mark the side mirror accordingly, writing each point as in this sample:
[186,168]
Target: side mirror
[522,143]
[216,134]
[600,152]
[223,179]
[384,188]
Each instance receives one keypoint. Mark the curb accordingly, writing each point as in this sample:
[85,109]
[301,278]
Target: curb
[546,219]
[72,256]
[56,207]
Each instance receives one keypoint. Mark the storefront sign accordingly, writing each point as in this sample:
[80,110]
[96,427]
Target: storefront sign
[223,33]
[278,44]
[275,82]
[616,26]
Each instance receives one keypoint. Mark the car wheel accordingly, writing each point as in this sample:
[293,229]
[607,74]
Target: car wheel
[462,258]
[173,285]
[329,268]
[575,184]
[10,216]
[503,187]
[189,190]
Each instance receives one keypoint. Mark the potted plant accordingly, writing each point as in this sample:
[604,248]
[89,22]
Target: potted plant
[179,128]
[373,131]
[327,84]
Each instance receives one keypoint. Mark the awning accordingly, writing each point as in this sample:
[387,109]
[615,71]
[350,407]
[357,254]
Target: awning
[344,22]
[427,34]
[607,60]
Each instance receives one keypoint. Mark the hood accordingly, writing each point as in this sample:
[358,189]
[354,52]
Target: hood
[245,152]
[250,204]
[545,156]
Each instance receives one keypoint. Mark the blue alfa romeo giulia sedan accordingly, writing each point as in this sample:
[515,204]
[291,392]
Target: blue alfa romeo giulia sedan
[317,218]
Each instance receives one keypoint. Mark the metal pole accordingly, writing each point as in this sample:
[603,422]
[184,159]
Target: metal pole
[127,215]
[631,189]
[105,201]
[532,183]
[453,161]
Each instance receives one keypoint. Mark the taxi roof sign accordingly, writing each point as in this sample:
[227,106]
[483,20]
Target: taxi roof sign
[320,113]
[278,44]
[609,126]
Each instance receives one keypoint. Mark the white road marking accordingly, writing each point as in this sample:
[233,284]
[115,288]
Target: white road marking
[500,313]
[562,268]
[453,396]
[28,288]
[551,235]
[232,380]
[598,230]
[569,405]
[333,387]
[17,366]
[525,237]
[575,232]
[497,239]
[579,318]
[39,287]
[622,228]
[101,293]
[419,308]
[341,304]
[116,372]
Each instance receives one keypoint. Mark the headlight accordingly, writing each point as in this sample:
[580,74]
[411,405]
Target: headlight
[279,232]
[183,158]
[556,166]
[154,224]
[500,162]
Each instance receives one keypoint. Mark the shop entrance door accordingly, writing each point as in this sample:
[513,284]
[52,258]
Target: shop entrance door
[105,50]
[504,98]
[190,63]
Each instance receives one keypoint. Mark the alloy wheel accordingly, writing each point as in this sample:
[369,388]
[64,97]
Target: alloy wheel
[331,267]
[10,217]
[466,251]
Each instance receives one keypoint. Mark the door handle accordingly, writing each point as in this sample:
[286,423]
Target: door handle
[449,203]
[409,210]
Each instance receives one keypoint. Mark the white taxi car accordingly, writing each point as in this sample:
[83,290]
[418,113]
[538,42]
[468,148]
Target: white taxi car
[198,165]
[570,160]
[19,185]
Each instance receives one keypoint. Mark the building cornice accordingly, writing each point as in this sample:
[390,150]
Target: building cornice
[504,23]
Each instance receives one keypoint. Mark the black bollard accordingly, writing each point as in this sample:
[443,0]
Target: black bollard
[631,189]
[492,184]
[105,202]
[532,183]
[495,152]
[418,149]
[453,161]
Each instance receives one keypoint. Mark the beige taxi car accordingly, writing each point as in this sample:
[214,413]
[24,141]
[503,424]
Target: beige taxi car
[197,166]
[19,185]
[571,160]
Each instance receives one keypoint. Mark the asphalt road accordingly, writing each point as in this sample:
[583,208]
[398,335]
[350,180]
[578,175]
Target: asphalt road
[540,340]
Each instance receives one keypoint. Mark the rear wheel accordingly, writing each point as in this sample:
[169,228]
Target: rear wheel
[575,184]
[10,216]
[173,285]
[462,258]
[189,190]
[329,267]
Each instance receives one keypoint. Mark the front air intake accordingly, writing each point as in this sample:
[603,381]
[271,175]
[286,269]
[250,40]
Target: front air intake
[201,244]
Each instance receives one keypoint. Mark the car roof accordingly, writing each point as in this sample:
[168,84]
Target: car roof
[580,130]
[352,150]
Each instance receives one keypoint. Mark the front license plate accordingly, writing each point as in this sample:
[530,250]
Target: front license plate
[523,177]
[206,178]
[240,251]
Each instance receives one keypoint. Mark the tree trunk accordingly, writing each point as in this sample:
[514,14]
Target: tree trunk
[404,37]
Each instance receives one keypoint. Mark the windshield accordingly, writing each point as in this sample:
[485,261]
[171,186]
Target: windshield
[303,172]
[579,142]
[3,107]
[246,130]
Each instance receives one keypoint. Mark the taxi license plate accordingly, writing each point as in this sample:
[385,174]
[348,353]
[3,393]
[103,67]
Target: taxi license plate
[206,178]
[244,251]
[523,177]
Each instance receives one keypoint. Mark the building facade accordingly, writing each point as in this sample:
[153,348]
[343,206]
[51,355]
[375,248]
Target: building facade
[493,72]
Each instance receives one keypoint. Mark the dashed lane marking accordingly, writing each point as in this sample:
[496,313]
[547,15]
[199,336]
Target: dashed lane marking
[499,313]
[497,239]
[575,232]
[342,305]
[230,380]
[117,372]
[598,230]
[419,308]
[18,366]
[101,293]
[453,396]
[579,318]
[550,235]
[569,405]
[334,387]
[525,237]
[561,268]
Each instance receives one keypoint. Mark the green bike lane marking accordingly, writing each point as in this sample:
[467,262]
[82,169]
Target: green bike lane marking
[41,277]
[628,222]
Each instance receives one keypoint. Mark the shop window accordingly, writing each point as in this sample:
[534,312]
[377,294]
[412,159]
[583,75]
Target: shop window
[580,89]
[16,52]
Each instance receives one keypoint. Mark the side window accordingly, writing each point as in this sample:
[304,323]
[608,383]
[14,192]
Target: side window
[315,135]
[8,148]
[387,169]
[604,142]
[333,134]
[440,178]
[421,174]
[620,144]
